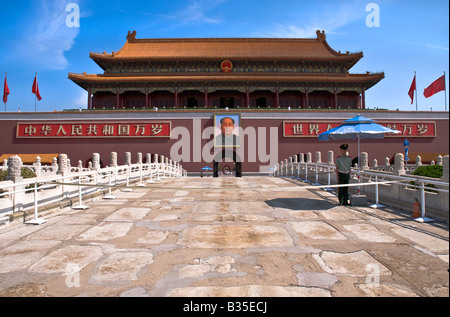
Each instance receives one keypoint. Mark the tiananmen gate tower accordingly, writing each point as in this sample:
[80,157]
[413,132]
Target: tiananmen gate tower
[226,72]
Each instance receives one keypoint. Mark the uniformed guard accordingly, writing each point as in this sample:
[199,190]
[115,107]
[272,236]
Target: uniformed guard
[343,172]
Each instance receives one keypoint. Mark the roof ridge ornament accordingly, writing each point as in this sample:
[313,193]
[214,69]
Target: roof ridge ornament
[131,37]
[321,36]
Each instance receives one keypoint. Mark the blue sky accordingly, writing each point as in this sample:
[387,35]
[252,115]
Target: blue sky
[412,36]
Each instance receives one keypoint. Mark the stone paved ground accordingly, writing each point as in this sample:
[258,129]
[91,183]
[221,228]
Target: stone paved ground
[236,237]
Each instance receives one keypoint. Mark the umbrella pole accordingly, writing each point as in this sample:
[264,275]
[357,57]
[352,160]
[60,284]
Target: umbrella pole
[359,163]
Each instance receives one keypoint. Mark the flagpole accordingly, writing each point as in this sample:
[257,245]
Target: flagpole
[6,74]
[416,89]
[35,97]
[445,86]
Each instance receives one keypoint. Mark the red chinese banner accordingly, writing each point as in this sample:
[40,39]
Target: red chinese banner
[305,129]
[87,130]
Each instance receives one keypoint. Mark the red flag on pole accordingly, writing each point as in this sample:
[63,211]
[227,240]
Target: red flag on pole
[35,89]
[435,87]
[5,91]
[412,89]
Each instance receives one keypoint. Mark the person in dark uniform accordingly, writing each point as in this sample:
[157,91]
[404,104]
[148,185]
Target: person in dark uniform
[227,138]
[343,173]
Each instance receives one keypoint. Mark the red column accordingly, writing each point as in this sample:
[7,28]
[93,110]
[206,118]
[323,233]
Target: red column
[206,98]
[335,98]
[278,97]
[247,98]
[89,100]
[306,99]
[117,99]
[176,97]
[363,99]
[146,100]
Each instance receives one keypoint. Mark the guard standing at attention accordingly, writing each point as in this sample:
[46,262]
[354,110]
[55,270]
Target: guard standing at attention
[343,172]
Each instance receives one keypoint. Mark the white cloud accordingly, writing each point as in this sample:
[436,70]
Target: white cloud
[47,37]
[196,12]
[329,18]
[424,45]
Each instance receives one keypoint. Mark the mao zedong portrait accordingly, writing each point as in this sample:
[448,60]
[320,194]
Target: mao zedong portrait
[227,138]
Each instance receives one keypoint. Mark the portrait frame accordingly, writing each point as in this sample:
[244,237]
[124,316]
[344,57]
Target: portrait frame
[236,117]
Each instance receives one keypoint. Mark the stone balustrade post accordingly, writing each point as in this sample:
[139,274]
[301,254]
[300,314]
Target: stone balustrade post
[318,157]
[38,166]
[364,161]
[96,162]
[387,165]
[15,169]
[63,168]
[418,161]
[113,159]
[330,158]
[127,158]
[399,164]
[55,165]
[15,175]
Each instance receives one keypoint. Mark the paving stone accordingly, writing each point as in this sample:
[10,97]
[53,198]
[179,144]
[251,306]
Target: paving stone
[369,233]
[194,270]
[153,237]
[18,261]
[106,231]
[249,207]
[338,213]
[428,241]
[353,264]
[317,230]
[129,214]
[58,261]
[30,246]
[311,279]
[166,217]
[122,266]
[58,232]
[234,236]
[383,290]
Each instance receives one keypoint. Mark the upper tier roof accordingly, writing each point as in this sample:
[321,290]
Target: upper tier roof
[229,48]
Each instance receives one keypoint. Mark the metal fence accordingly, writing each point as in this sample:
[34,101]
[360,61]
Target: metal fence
[432,193]
[41,191]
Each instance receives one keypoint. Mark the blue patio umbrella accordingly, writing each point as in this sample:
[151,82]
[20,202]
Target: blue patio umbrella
[206,168]
[358,128]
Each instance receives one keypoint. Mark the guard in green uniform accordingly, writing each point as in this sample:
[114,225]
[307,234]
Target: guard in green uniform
[343,171]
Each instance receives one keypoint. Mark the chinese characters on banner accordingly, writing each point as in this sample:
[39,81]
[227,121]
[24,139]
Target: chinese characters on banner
[94,130]
[299,129]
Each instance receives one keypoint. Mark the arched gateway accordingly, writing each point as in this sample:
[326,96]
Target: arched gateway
[230,154]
